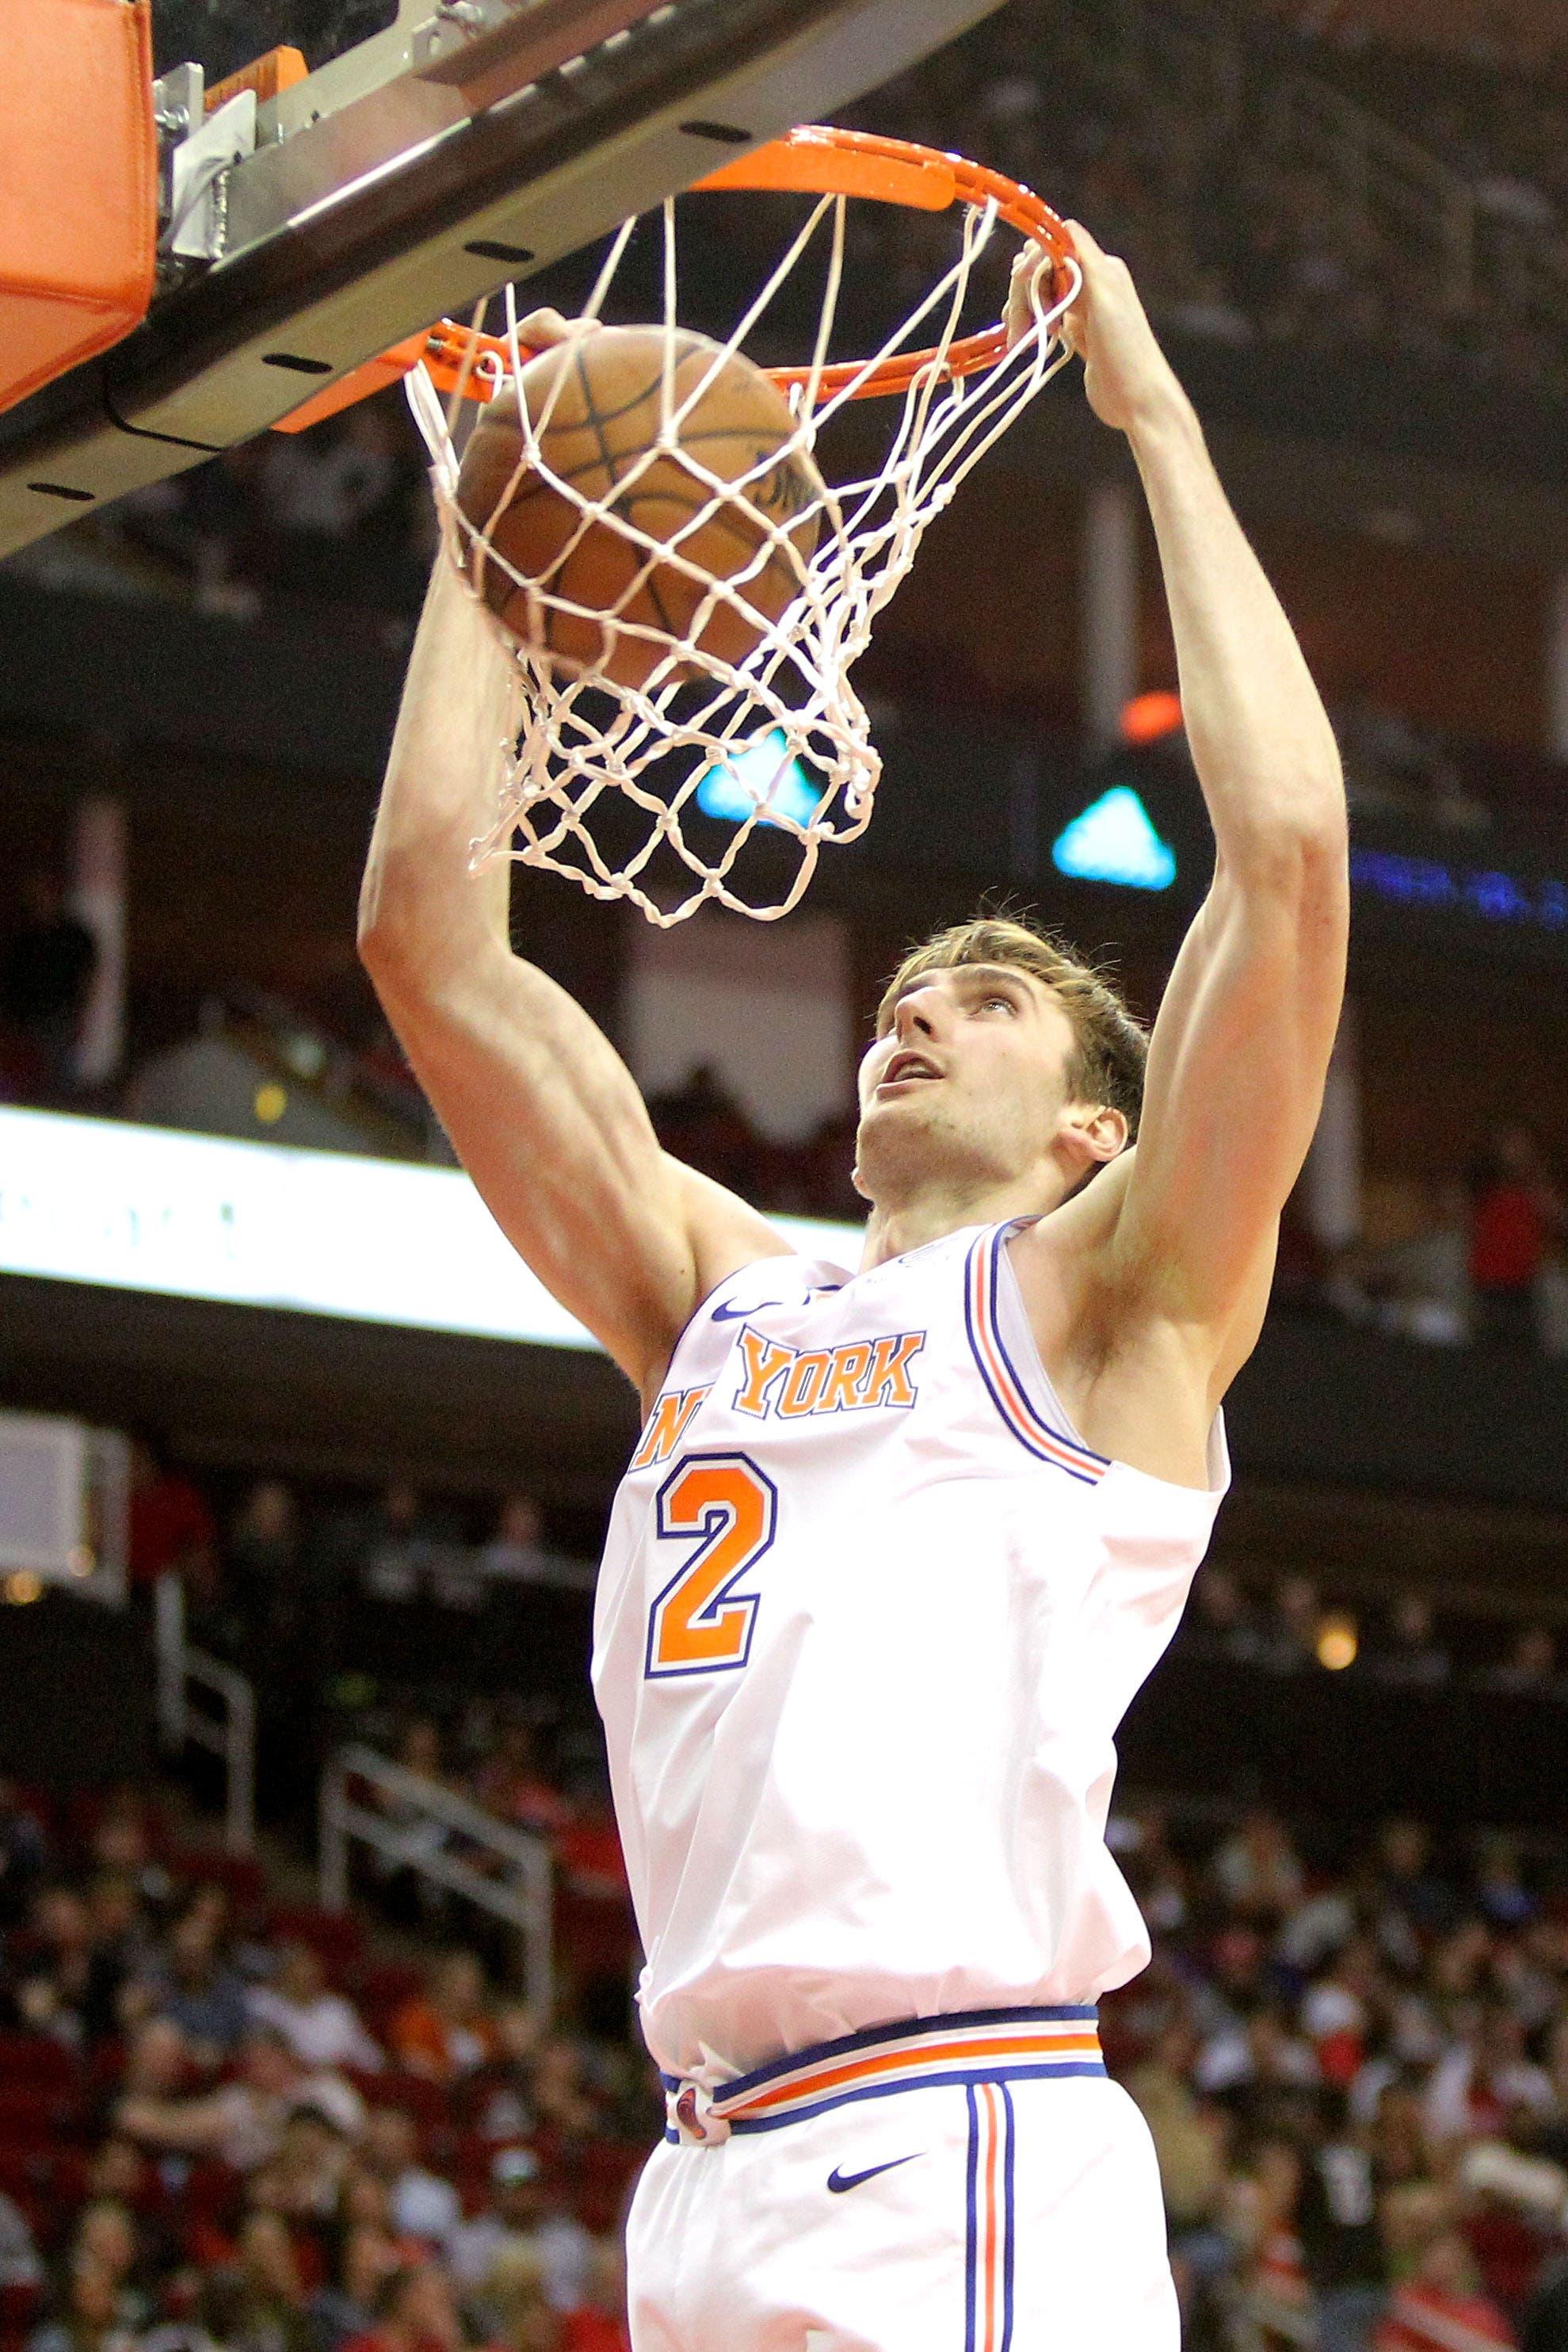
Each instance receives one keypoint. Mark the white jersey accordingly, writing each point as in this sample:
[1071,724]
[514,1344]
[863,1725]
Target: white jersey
[868,1616]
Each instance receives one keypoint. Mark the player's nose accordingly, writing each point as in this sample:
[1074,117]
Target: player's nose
[918,1014]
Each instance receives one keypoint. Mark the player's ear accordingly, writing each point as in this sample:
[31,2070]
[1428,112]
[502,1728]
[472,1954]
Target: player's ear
[1094,1133]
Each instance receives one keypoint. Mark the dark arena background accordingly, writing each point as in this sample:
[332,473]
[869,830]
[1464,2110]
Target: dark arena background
[316,1958]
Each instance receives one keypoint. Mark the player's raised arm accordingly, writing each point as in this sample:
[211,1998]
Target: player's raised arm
[541,1109]
[1241,1048]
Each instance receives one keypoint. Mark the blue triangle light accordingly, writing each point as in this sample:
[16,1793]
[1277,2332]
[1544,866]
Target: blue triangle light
[758,779]
[1113,840]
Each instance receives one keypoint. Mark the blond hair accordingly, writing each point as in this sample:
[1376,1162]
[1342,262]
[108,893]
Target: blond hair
[1109,1048]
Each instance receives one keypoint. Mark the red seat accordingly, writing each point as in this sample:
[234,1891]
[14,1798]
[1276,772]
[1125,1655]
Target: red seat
[243,1879]
[425,2101]
[335,1936]
[37,2062]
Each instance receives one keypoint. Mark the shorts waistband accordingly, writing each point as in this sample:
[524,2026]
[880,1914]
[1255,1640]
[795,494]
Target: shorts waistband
[980,2045]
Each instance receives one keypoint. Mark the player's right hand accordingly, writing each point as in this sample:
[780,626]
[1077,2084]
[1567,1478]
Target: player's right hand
[1127,377]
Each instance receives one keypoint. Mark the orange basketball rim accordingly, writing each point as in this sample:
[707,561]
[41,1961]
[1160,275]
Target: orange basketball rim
[817,161]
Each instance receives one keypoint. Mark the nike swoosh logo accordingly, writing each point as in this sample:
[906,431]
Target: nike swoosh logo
[839,2182]
[738,1313]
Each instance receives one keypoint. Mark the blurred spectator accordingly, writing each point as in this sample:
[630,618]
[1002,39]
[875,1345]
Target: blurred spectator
[172,1528]
[196,1986]
[322,2028]
[20,2263]
[242,2121]
[46,969]
[521,2219]
[1515,1211]
[1530,1669]
[510,1784]
[419,2203]
[345,2306]
[90,2321]
[1409,1652]
[599,2322]
[414,2311]
[24,1854]
[1439,2307]
[514,1553]
[260,2305]
[1258,1871]
[446,2031]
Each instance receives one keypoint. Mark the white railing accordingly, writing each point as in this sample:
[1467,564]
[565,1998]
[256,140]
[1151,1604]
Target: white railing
[187,1675]
[423,1827]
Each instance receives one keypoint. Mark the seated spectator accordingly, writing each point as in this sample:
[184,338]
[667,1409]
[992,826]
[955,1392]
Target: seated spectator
[194,1985]
[345,2306]
[1530,1669]
[419,2205]
[24,1854]
[1479,2082]
[106,2238]
[599,2322]
[20,2263]
[322,2028]
[1409,1652]
[414,2311]
[89,2320]
[259,2305]
[522,2218]
[241,2122]
[62,1987]
[1440,2305]
[501,2093]
[304,2180]
[171,1531]
[445,2031]
[397,1545]
[1258,1871]
[511,1785]
[1515,1214]
[46,967]
[514,1553]
[527,2319]
[562,2100]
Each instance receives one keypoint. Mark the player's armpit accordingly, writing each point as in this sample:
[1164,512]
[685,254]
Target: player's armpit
[548,1122]
[1236,1071]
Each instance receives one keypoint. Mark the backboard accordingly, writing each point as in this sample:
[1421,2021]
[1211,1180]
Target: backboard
[433,150]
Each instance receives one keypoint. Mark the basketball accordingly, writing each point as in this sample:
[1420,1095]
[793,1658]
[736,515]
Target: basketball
[596,402]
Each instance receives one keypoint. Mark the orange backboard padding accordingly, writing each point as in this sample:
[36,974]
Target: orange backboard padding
[278,70]
[79,190]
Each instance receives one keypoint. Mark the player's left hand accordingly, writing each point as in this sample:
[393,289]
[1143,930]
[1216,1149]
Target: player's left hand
[1126,376]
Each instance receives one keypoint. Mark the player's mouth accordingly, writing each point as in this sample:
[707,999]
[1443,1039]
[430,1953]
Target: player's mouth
[905,1069]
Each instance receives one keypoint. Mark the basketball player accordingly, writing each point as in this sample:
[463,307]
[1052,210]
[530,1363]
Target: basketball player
[898,1545]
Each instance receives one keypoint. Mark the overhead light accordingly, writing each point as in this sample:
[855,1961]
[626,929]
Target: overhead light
[271,1102]
[1150,718]
[1113,840]
[1337,1641]
[761,779]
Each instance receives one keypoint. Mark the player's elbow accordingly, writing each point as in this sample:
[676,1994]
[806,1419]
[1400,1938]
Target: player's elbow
[1297,846]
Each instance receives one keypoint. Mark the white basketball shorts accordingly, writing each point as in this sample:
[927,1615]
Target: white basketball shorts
[972,2183]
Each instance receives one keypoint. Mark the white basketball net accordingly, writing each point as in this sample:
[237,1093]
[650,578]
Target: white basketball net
[781,741]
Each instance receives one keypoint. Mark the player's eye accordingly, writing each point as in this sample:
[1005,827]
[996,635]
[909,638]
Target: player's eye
[1007,1003]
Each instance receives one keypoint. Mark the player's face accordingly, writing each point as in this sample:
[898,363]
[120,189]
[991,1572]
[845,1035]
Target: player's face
[965,1081]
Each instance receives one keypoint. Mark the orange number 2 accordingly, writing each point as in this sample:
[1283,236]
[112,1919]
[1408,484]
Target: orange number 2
[700,1624]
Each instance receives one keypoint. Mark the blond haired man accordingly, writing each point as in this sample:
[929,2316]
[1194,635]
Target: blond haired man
[899,1543]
